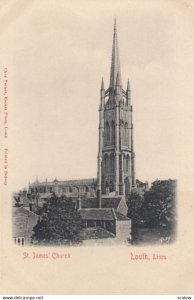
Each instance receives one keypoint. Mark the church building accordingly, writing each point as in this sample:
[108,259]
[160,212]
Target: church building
[102,202]
[116,157]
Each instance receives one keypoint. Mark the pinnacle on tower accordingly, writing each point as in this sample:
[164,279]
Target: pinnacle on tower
[128,92]
[128,86]
[118,81]
[102,92]
[115,62]
[102,84]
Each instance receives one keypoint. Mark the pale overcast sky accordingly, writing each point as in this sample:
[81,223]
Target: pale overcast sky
[57,52]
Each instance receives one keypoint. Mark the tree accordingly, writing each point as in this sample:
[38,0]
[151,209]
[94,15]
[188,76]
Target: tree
[134,203]
[159,210]
[60,223]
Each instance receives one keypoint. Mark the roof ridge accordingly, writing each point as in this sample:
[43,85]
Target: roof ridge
[30,212]
[97,208]
[114,214]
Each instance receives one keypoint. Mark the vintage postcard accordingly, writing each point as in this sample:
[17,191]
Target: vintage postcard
[97,168]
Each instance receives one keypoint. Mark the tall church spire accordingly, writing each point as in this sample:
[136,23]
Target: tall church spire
[116,157]
[115,62]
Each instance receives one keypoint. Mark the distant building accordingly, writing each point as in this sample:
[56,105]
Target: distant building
[85,187]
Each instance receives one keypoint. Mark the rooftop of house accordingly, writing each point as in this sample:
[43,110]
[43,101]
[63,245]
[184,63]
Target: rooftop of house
[121,217]
[96,233]
[107,202]
[101,214]
[23,221]
[104,214]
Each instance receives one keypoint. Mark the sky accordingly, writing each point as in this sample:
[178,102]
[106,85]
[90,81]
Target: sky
[57,53]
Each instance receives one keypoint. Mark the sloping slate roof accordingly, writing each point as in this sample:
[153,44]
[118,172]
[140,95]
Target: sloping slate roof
[96,233]
[104,214]
[84,181]
[121,217]
[23,221]
[112,202]
[89,203]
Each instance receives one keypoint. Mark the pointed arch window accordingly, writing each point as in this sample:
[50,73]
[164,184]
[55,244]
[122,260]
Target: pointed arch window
[125,132]
[106,162]
[107,132]
[111,188]
[124,163]
[122,130]
[113,132]
[127,163]
[112,163]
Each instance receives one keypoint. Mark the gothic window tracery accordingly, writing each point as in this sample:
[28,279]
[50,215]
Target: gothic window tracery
[107,132]
[127,163]
[106,162]
[124,163]
[122,129]
[113,132]
[112,163]
[125,132]
[111,188]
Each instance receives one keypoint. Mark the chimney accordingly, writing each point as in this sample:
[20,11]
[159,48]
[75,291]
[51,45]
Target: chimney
[30,206]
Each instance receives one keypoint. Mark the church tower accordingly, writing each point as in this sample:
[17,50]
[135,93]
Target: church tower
[116,157]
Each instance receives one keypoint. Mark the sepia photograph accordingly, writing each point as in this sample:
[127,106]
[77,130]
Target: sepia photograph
[97,149]
[115,207]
